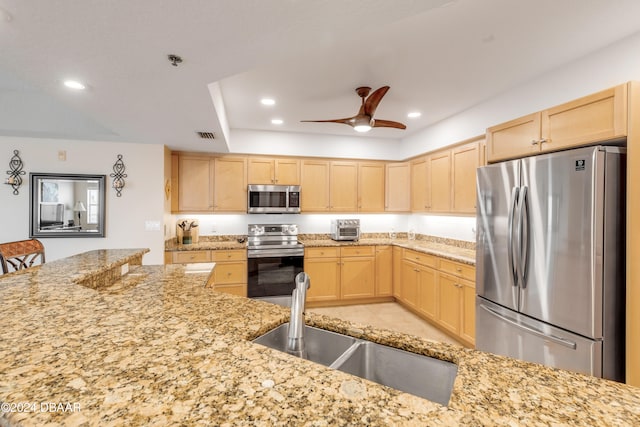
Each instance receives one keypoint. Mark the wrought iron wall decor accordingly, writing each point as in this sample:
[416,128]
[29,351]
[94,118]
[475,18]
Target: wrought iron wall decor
[118,175]
[15,178]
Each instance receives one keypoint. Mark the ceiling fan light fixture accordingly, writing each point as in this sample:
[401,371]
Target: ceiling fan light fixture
[362,124]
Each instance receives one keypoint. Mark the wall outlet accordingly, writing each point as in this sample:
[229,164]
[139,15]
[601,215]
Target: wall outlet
[62,155]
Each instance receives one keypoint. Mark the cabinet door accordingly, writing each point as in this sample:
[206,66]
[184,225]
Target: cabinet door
[397,271]
[465,163]
[449,296]
[427,301]
[397,188]
[515,138]
[261,171]
[468,326]
[315,186]
[195,191]
[343,187]
[287,172]
[598,117]
[230,185]
[239,289]
[419,185]
[324,274]
[409,284]
[440,181]
[384,271]
[371,187]
[357,277]
[230,273]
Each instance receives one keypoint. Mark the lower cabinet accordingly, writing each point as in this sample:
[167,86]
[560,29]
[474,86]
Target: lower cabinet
[348,274]
[439,290]
[230,273]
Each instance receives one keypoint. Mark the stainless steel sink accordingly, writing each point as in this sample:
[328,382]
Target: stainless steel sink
[322,347]
[412,373]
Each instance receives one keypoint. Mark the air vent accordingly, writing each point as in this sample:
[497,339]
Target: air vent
[206,135]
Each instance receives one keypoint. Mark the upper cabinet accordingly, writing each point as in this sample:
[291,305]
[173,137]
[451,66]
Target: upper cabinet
[314,195]
[397,188]
[371,180]
[274,171]
[465,159]
[440,181]
[343,186]
[420,186]
[594,118]
[209,184]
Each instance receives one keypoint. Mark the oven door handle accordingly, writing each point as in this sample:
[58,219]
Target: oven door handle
[274,253]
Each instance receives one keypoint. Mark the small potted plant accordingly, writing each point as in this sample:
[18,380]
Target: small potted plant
[187,226]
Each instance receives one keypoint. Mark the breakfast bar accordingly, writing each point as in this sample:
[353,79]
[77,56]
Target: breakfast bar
[85,341]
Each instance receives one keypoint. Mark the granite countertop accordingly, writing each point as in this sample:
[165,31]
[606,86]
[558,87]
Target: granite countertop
[445,248]
[157,348]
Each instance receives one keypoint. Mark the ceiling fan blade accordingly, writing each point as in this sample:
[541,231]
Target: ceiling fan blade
[347,121]
[388,124]
[373,100]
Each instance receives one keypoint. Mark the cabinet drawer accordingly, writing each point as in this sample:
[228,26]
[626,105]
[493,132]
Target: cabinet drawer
[230,272]
[231,255]
[183,257]
[357,251]
[322,252]
[461,270]
[420,258]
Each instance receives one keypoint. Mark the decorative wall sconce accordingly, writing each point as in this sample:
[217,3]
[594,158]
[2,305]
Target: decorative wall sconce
[118,175]
[15,179]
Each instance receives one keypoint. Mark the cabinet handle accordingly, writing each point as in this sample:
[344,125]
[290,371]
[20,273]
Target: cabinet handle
[458,269]
[534,142]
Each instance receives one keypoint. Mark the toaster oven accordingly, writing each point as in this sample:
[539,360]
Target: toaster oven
[345,229]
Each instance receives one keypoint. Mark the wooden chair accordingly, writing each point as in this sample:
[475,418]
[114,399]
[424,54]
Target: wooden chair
[20,254]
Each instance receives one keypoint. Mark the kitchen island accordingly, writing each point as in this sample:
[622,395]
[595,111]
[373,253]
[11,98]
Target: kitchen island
[155,347]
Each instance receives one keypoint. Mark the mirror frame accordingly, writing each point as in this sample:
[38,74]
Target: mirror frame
[36,180]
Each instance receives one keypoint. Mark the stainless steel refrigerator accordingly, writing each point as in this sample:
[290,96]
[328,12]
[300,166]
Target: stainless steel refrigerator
[550,260]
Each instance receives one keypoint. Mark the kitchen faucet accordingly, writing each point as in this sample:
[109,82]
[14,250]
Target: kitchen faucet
[295,341]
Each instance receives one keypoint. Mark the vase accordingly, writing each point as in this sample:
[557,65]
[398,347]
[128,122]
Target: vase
[186,238]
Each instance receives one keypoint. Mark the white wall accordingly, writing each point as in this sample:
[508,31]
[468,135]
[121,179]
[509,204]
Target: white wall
[311,145]
[608,67]
[142,197]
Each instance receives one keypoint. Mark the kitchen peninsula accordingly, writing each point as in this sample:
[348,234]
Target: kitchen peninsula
[156,347]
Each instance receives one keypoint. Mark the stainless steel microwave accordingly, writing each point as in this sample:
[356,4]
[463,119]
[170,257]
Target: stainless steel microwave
[273,199]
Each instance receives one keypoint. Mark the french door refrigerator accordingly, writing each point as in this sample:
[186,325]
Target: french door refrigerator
[550,260]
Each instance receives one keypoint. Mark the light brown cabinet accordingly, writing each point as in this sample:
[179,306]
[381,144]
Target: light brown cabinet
[397,187]
[384,270]
[230,273]
[420,185]
[440,181]
[465,162]
[439,290]
[598,117]
[315,186]
[357,278]
[343,186]
[323,267]
[211,184]
[371,181]
[273,171]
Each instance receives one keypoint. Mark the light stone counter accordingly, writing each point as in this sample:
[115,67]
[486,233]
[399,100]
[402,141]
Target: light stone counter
[157,348]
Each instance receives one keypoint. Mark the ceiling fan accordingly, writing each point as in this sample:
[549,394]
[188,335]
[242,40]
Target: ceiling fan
[364,121]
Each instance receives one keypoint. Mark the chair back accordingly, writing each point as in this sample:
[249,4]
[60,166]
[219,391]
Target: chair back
[20,254]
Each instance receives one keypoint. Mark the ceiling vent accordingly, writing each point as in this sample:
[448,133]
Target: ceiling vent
[206,135]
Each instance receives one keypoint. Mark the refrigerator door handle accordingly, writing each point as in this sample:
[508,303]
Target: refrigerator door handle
[522,237]
[510,247]
[558,340]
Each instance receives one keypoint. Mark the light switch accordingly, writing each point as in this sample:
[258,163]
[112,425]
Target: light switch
[152,225]
[62,155]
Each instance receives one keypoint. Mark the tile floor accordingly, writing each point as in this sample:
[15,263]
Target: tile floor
[388,315]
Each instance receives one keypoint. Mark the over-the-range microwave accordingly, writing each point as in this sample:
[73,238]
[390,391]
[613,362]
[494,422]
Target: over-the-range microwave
[273,199]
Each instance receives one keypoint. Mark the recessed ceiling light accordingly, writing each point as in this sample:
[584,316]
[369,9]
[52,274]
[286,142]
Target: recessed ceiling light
[277,121]
[414,114]
[74,84]
[268,101]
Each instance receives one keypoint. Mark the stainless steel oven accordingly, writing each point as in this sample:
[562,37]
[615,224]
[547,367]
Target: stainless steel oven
[274,258]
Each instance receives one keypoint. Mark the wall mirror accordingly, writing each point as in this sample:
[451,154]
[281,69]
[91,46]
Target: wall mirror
[64,205]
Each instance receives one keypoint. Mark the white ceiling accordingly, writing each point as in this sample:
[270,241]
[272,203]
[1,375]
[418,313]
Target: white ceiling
[439,57]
